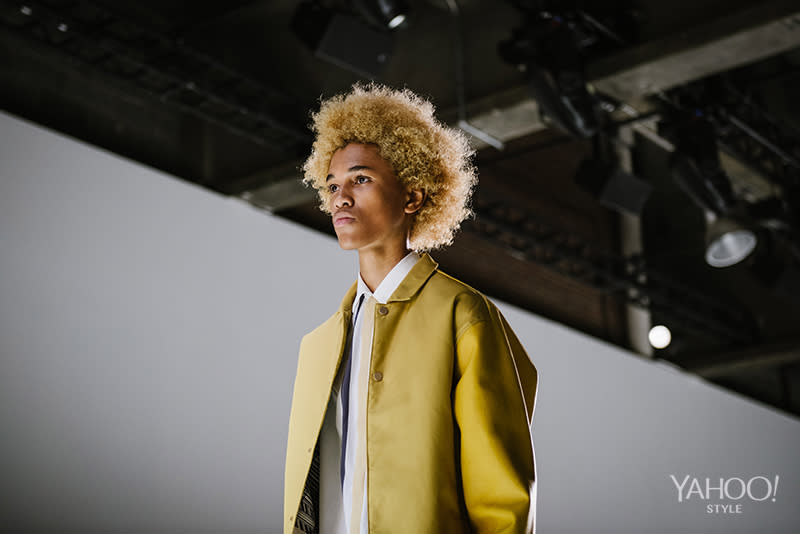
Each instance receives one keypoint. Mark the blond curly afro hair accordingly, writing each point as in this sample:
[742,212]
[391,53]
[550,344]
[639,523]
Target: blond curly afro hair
[423,152]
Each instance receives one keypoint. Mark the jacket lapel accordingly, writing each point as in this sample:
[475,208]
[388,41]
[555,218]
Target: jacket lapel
[320,357]
[325,350]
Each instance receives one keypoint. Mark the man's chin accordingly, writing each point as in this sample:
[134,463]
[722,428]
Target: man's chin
[346,244]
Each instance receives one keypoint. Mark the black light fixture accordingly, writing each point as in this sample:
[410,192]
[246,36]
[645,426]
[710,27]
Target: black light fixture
[696,169]
[612,186]
[549,49]
[552,47]
[342,38]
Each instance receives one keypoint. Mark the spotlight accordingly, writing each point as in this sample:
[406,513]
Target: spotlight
[659,336]
[549,51]
[396,21]
[343,39]
[389,14]
[696,169]
[727,241]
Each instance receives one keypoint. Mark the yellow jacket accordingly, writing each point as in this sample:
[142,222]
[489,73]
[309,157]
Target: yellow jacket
[448,412]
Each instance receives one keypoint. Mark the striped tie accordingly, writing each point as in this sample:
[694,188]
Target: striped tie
[308,514]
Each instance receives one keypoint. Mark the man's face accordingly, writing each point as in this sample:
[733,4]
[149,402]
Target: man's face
[367,203]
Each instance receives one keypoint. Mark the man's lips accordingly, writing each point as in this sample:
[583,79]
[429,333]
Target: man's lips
[342,219]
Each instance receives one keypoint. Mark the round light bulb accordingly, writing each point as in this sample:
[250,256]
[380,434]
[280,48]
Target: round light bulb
[659,336]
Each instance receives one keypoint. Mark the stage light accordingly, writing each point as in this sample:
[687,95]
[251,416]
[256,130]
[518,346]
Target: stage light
[659,336]
[550,50]
[396,21]
[696,168]
[727,241]
[343,38]
[551,59]
[389,14]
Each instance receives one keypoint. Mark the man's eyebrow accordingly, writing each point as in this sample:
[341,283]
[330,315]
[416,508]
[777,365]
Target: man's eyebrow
[354,168]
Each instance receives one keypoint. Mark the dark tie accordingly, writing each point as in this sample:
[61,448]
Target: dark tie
[346,388]
[308,514]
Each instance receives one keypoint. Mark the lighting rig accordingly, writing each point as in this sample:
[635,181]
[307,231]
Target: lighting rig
[527,237]
[552,47]
[710,115]
[695,167]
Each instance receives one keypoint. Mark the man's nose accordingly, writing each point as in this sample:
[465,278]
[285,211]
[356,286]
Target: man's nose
[342,198]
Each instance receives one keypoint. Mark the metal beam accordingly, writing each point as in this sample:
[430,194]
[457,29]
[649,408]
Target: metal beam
[736,362]
[161,66]
[755,33]
[745,36]
[284,188]
[506,123]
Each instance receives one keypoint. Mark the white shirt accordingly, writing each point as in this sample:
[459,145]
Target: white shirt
[335,501]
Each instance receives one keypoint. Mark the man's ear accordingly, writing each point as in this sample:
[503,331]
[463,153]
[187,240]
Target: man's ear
[414,200]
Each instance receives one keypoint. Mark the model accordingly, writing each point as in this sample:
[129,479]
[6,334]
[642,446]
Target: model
[413,403]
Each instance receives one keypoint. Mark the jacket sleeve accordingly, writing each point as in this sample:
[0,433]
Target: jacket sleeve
[493,399]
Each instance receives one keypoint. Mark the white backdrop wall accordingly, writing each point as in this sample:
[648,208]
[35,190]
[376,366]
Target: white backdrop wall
[148,338]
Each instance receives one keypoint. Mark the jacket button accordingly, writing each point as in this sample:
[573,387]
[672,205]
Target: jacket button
[378,376]
[383,310]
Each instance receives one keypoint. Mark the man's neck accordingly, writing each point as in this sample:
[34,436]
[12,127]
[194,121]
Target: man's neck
[374,266]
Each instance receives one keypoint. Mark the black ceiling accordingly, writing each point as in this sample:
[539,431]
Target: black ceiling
[219,94]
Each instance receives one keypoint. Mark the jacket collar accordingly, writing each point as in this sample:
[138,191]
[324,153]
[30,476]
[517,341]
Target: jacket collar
[346,307]
[415,279]
[412,283]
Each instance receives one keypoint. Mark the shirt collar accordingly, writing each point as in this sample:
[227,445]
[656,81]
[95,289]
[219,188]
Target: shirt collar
[390,282]
[412,283]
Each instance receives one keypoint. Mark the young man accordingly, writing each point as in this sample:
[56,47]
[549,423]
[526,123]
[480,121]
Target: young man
[412,404]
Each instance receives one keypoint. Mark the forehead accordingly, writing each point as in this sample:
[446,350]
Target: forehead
[356,156]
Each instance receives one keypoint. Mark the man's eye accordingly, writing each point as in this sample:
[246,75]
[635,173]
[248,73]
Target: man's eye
[362,179]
